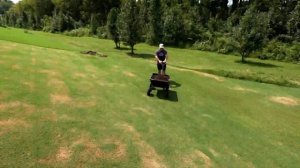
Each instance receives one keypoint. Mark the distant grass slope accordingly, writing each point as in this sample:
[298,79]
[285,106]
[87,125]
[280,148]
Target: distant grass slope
[59,108]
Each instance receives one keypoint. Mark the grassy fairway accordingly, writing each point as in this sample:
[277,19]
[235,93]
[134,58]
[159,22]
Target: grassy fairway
[59,108]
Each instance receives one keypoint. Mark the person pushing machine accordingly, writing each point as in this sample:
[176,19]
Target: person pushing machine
[161,56]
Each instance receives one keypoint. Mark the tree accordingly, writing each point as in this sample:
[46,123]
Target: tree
[173,26]
[5,5]
[112,27]
[154,34]
[129,24]
[294,22]
[252,32]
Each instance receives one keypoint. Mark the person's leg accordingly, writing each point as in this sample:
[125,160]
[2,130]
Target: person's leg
[159,67]
[164,68]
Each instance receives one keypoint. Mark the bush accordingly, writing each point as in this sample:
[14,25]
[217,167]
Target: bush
[277,50]
[223,44]
[78,32]
[102,32]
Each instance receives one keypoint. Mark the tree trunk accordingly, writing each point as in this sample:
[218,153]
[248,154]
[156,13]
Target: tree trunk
[243,58]
[132,49]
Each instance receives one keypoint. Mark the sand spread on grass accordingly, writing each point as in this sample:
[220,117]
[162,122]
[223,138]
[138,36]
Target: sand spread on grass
[215,77]
[16,67]
[195,156]
[93,150]
[149,156]
[60,99]
[129,74]
[16,104]
[79,75]
[285,101]
[143,110]
[239,88]
[63,154]
[11,124]
[50,73]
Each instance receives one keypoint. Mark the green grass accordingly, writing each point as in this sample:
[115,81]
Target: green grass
[59,108]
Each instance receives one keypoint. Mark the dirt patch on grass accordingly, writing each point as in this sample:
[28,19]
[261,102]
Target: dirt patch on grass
[149,156]
[196,156]
[129,74]
[215,77]
[63,154]
[285,101]
[60,99]
[239,88]
[2,62]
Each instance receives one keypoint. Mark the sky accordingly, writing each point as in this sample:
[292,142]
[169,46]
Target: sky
[15,1]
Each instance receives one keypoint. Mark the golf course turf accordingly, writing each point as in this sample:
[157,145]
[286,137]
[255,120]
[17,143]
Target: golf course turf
[62,108]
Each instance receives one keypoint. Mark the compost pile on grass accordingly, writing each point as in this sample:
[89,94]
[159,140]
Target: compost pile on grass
[93,53]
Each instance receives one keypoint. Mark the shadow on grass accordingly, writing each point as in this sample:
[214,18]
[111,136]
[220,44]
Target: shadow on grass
[142,55]
[174,84]
[257,64]
[161,94]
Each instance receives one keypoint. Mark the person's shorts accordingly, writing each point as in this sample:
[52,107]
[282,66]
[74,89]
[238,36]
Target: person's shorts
[161,66]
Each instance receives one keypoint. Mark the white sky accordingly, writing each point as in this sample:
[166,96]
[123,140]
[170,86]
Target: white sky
[15,1]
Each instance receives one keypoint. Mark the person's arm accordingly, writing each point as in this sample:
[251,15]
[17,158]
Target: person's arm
[157,58]
[165,61]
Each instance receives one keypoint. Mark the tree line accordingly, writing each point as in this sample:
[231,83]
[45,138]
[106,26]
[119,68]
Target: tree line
[267,29]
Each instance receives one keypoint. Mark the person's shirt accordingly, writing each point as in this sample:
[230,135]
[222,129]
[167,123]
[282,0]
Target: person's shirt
[161,54]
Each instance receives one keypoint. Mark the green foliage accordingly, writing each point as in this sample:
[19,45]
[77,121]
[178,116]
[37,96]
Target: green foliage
[112,26]
[80,32]
[5,5]
[281,51]
[154,34]
[173,31]
[129,24]
[294,23]
[252,32]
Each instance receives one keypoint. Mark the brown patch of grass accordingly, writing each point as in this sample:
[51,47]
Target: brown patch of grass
[215,77]
[63,154]
[50,73]
[239,88]
[129,74]
[295,82]
[2,62]
[11,124]
[149,156]
[197,155]
[60,99]
[285,101]
[30,85]
[33,61]
[11,105]
[94,150]
[79,75]
[143,110]
[16,67]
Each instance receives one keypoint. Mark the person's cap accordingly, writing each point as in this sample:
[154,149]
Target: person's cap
[161,45]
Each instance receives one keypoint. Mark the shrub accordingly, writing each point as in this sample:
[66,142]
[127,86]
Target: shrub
[78,32]
[277,50]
